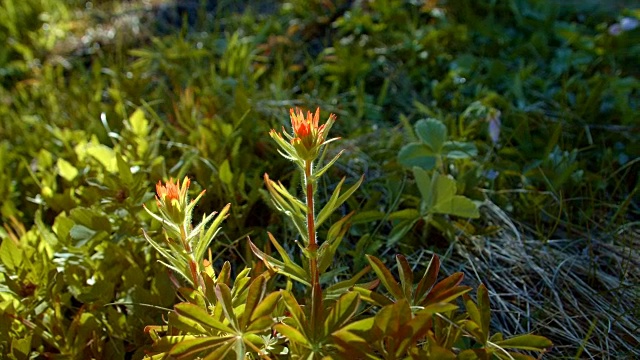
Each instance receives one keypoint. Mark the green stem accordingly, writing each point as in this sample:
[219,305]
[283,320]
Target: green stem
[311,225]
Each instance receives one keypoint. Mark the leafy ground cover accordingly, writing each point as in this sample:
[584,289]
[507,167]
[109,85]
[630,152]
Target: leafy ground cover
[502,136]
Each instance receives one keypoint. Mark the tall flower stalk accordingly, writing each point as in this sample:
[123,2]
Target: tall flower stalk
[185,245]
[305,145]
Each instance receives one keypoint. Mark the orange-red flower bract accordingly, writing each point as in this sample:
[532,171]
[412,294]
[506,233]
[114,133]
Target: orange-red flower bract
[308,135]
[306,129]
[172,198]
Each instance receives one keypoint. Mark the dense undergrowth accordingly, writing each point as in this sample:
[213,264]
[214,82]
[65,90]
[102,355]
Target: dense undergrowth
[530,106]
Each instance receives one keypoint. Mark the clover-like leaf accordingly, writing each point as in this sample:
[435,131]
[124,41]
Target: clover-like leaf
[432,133]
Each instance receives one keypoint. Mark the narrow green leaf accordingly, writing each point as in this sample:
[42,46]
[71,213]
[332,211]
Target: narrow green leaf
[191,347]
[286,267]
[330,246]
[335,201]
[221,352]
[428,279]
[526,342]
[124,170]
[372,297]
[319,173]
[341,287]
[254,295]
[404,214]
[342,312]
[446,295]
[201,316]
[223,293]
[296,313]
[406,275]
[292,334]
[266,306]
[474,314]
[484,306]
[391,320]
[385,276]
[400,230]
[361,326]
[186,324]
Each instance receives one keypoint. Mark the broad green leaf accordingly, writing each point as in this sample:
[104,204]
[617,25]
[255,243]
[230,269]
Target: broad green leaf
[385,276]
[21,348]
[10,254]
[66,170]
[459,150]
[81,235]
[105,155]
[439,195]
[124,171]
[431,132]
[474,329]
[438,352]
[139,123]
[526,342]
[458,206]
[443,189]
[417,154]
[226,176]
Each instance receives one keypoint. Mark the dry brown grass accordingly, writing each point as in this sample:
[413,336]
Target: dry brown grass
[583,294]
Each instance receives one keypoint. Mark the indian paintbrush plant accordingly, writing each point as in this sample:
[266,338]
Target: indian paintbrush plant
[351,319]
